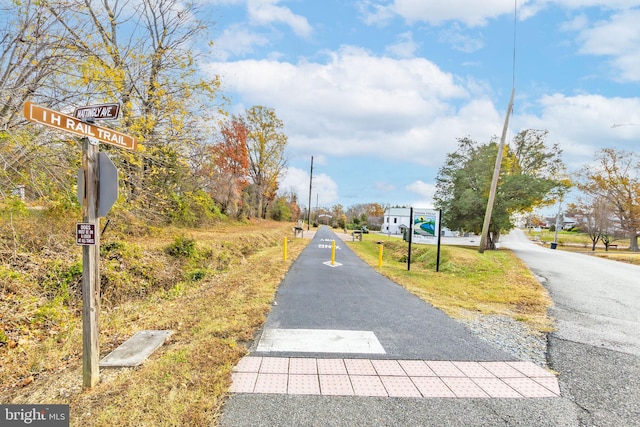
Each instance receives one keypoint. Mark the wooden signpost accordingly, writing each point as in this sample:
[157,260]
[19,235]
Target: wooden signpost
[87,232]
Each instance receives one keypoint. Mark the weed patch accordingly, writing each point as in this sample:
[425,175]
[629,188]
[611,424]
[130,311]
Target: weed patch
[182,247]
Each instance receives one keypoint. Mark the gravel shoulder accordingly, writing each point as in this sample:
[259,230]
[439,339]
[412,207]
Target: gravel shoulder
[509,335]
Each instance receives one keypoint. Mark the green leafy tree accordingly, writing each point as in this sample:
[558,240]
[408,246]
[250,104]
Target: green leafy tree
[528,176]
[279,210]
[339,216]
[291,200]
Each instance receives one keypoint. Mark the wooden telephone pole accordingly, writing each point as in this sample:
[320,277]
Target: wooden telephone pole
[494,181]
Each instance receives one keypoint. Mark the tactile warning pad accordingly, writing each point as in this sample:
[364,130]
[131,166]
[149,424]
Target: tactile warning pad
[393,378]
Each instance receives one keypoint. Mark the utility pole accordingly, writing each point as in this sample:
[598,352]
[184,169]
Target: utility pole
[310,183]
[496,170]
[555,234]
[494,181]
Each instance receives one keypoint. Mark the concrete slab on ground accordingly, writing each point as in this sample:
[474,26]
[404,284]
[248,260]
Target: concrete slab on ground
[136,349]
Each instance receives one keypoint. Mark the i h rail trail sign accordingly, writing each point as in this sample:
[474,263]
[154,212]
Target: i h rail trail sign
[55,119]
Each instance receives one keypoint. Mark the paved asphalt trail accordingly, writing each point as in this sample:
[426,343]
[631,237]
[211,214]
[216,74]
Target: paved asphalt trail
[353,296]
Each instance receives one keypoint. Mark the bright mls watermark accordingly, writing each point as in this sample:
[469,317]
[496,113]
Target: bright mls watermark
[34,415]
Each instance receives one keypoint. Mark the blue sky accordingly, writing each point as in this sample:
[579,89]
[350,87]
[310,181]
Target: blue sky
[378,91]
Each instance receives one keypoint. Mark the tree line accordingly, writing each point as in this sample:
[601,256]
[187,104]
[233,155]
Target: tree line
[195,162]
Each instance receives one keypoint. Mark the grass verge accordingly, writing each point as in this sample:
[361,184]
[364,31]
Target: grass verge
[495,282]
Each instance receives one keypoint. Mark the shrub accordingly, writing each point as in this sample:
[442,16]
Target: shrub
[182,247]
[195,209]
[197,274]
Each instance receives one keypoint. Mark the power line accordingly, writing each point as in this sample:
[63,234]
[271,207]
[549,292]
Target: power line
[515,26]
[496,172]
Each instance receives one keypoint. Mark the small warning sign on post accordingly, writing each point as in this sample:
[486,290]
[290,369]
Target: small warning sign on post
[85,233]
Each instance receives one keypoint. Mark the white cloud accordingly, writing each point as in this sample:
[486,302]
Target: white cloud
[373,13]
[296,181]
[619,38]
[224,2]
[425,191]
[405,47]
[238,41]
[357,103]
[455,37]
[583,4]
[470,12]
[531,8]
[577,23]
[265,12]
[582,124]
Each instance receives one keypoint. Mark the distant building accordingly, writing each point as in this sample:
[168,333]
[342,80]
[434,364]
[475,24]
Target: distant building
[564,223]
[395,220]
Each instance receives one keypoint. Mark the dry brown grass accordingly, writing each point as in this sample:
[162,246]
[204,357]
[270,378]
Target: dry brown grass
[628,257]
[186,380]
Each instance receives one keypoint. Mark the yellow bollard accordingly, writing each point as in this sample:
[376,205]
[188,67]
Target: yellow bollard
[333,252]
[380,246]
[285,248]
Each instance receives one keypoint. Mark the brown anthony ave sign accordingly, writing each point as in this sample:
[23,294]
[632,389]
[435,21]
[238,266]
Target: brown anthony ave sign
[55,119]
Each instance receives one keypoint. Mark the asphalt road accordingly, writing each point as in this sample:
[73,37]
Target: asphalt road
[596,348]
[353,296]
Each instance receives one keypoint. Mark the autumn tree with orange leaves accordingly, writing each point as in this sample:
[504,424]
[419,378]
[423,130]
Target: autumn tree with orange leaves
[231,161]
